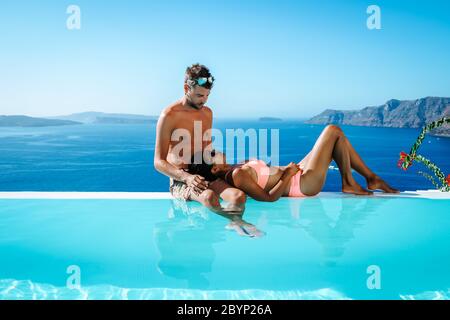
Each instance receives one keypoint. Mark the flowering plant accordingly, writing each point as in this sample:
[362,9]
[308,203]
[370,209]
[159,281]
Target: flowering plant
[407,159]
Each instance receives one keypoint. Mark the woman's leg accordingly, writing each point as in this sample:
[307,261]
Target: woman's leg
[316,167]
[373,181]
[341,156]
[356,162]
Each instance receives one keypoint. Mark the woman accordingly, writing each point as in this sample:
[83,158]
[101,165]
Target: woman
[306,178]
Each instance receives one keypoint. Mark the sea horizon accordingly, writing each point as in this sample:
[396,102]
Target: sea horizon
[120,157]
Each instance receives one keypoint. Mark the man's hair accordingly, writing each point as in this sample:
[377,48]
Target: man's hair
[197,71]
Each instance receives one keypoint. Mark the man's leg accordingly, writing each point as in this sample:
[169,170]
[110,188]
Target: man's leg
[235,197]
[181,191]
[208,198]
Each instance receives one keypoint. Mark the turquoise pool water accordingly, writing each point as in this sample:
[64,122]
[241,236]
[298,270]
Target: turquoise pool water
[313,248]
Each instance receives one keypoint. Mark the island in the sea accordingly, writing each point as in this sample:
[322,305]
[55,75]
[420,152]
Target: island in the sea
[93,117]
[270,119]
[394,113]
[24,121]
[75,119]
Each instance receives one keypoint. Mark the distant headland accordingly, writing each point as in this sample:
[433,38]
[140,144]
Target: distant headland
[24,121]
[394,114]
[75,119]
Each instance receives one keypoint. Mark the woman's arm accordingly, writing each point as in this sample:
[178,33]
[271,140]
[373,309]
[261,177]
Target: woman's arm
[244,181]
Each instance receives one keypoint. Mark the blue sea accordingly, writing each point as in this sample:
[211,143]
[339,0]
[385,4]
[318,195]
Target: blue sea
[120,157]
[312,248]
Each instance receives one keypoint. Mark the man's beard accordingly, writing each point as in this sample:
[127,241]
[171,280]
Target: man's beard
[193,105]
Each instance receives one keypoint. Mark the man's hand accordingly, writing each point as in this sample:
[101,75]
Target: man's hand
[197,183]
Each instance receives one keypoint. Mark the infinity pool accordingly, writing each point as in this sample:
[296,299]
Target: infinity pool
[148,246]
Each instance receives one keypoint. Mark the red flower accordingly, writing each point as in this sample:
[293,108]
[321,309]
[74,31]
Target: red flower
[404,157]
[405,160]
[448,180]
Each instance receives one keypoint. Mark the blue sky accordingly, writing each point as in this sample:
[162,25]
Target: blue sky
[270,58]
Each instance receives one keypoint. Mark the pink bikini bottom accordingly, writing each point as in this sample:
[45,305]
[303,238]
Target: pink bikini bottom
[294,190]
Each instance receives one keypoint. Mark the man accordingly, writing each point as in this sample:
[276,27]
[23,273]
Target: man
[184,116]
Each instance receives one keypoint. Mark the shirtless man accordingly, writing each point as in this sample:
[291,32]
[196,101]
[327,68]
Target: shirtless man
[186,114]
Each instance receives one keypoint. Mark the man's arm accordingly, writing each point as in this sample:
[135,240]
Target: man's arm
[164,130]
[163,135]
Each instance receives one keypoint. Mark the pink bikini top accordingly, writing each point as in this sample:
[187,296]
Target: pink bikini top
[262,171]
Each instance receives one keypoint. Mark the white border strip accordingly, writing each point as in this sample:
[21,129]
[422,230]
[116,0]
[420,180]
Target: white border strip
[428,194]
[85,195]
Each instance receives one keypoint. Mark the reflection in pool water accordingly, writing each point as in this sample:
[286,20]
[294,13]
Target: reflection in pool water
[316,247]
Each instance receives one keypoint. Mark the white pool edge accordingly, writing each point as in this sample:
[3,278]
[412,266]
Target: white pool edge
[428,194]
[85,195]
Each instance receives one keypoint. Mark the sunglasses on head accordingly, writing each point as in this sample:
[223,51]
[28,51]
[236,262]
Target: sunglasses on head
[202,81]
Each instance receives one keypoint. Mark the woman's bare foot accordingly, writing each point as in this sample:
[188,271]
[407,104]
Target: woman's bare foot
[376,183]
[354,188]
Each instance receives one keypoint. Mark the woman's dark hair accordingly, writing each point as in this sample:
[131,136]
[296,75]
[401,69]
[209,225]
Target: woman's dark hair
[202,169]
